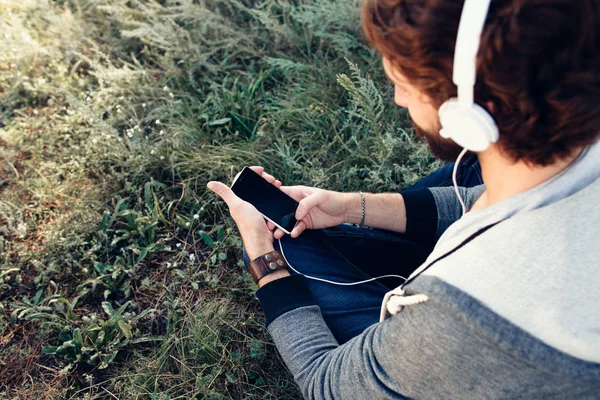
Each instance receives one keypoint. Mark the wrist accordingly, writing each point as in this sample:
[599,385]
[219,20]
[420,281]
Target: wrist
[256,251]
[282,273]
[353,208]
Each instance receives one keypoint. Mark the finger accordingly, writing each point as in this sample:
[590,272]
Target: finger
[268,177]
[298,229]
[278,183]
[224,192]
[258,169]
[278,234]
[295,192]
[270,225]
[308,203]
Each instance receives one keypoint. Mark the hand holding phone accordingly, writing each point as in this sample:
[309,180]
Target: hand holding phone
[276,206]
[315,208]
[256,234]
[320,208]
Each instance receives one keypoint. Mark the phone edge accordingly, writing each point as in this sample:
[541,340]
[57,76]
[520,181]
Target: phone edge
[264,216]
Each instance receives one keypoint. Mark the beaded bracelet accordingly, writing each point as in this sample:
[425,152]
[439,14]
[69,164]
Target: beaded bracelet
[364,210]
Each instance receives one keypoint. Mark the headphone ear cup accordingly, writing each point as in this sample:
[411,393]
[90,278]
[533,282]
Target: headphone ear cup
[471,127]
[445,133]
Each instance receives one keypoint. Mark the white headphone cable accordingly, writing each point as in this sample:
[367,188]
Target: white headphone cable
[454,170]
[464,210]
[332,282]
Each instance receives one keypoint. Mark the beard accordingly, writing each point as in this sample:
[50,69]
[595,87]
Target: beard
[444,149]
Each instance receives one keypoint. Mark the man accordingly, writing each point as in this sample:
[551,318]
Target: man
[507,305]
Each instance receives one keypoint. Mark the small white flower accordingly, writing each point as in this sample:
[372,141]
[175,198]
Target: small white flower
[162,132]
[91,120]
[162,157]
[144,105]
[137,127]
[168,265]
[129,134]
[118,110]
[152,151]
[187,224]
[94,141]
[88,378]
[118,106]
[178,245]
[166,88]
[174,265]
[196,216]
[157,122]
[192,257]
[122,98]
[171,95]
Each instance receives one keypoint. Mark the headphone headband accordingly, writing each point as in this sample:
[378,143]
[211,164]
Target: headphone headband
[471,24]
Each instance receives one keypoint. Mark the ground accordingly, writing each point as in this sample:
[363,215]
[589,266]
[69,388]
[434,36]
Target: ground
[120,273]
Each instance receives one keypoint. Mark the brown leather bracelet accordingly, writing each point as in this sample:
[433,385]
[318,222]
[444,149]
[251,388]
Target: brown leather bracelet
[266,264]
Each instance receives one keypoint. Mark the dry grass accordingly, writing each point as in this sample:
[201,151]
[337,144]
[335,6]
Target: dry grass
[113,116]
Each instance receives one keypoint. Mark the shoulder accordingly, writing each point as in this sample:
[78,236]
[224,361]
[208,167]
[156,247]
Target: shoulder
[537,269]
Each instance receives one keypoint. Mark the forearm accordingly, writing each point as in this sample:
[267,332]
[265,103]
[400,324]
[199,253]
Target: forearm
[282,273]
[371,365]
[382,210]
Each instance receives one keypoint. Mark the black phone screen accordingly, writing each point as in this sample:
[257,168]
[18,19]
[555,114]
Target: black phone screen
[269,200]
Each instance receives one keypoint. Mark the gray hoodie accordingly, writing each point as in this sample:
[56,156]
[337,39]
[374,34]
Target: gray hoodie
[506,306]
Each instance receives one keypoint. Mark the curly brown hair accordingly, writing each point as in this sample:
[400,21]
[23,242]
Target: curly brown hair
[538,64]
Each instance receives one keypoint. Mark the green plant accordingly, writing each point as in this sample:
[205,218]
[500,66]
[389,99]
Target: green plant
[87,340]
[367,107]
[123,240]
[98,341]
[132,107]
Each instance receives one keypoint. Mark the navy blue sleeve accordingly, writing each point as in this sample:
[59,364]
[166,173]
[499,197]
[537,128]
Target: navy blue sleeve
[283,295]
[421,215]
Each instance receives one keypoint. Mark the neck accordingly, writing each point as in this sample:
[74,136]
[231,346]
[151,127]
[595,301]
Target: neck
[504,178]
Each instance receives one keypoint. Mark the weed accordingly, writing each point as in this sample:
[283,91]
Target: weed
[120,275]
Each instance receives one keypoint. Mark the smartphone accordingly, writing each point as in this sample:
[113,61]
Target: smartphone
[272,203]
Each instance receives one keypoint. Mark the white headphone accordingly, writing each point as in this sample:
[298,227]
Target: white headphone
[465,122]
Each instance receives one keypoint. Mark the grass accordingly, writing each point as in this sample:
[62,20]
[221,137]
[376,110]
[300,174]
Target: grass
[120,274]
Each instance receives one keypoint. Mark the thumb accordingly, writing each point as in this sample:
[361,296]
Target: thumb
[223,191]
[308,203]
